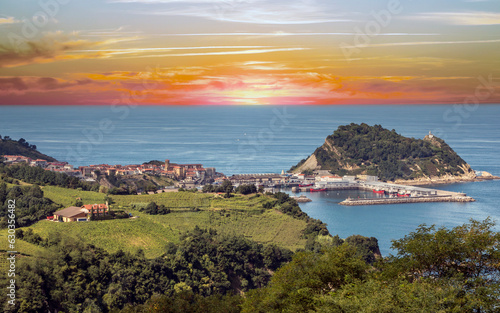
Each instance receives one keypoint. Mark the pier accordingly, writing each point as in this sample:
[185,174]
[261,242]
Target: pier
[352,202]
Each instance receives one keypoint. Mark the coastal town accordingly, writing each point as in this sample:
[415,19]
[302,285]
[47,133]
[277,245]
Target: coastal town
[190,173]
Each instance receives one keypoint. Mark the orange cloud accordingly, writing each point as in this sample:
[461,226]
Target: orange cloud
[248,83]
[20,85]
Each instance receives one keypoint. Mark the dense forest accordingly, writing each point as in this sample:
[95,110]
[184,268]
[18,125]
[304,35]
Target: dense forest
[31,205]
[433,270]
[10,146]
[37,175]
[373,150]
[75,277]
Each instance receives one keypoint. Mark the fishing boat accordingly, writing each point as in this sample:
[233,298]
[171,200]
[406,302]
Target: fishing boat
[317,189]
[378,191]
[305,185]
[403,194]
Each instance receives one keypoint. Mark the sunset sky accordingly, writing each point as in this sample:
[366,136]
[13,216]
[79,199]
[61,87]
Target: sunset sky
[249,52]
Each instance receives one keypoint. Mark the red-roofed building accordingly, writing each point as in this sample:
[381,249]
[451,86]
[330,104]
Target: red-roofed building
[17,159]
[182,171]
[96,209]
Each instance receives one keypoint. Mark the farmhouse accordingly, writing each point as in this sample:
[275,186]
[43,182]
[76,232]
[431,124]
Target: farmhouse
[81,214]
[71,214]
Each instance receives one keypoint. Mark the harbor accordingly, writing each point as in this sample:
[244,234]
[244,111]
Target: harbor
[323,181]
[387,193]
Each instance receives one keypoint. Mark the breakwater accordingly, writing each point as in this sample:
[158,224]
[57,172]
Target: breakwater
[301,199]
[352,202]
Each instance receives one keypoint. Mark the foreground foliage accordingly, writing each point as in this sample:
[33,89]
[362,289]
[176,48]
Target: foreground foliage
[434,270]
[442,270]
[73,277]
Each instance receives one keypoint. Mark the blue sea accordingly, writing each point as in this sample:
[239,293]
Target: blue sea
[269,139]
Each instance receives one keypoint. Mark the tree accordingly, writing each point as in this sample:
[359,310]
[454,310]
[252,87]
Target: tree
[246,189]
[3,193]
[151,187]
[35,191]
[375,296]
[295,286]
[208,188]
[471,251]
[109,200]
[367,247]
[227,187]
[163,210]
[465,256]
[151,208]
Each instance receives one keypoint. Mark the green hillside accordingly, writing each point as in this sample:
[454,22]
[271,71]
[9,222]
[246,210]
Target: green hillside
[373,150]
[152,233]
[21,147]
[239,215]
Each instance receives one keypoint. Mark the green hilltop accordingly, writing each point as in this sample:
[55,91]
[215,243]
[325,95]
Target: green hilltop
[373,150]
[21,147]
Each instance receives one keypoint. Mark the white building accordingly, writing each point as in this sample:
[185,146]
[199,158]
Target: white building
[329,178]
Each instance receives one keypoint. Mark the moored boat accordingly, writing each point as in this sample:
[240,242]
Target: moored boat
[403,194]
[317,189]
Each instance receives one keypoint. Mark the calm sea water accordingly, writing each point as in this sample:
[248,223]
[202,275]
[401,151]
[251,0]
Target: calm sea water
[264,139]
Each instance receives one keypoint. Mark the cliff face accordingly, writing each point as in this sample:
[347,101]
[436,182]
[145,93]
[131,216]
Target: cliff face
[372,150]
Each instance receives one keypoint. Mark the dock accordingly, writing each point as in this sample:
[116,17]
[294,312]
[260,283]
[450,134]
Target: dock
[353,202]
